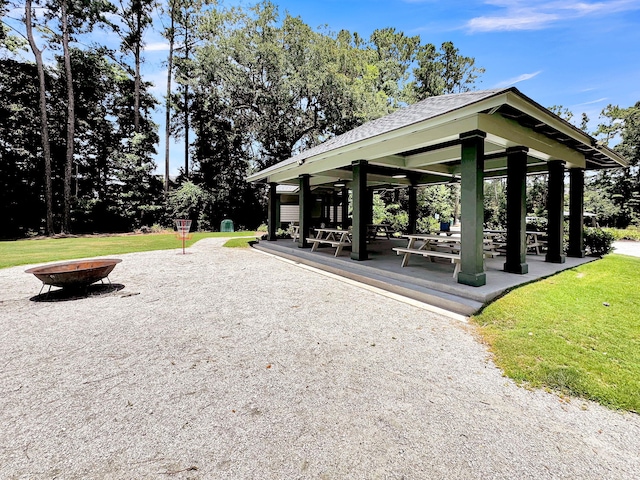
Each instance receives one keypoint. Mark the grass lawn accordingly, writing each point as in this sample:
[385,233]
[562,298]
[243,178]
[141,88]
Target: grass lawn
[577,332]
[238,242]
[22,252]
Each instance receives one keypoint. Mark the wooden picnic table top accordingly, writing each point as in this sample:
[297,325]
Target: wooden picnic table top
[503,232]
[331,230]
[431,236]
[439,238]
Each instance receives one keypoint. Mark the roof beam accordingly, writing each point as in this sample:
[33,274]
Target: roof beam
[515,134]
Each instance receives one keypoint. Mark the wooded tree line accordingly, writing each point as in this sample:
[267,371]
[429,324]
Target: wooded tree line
[247,88]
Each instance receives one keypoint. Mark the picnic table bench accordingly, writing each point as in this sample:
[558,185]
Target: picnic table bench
[330,236]
[295,232]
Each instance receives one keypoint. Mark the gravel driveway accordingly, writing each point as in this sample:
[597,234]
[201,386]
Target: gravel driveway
[231,364]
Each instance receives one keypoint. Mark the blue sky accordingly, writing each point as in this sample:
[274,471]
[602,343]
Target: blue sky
[583,55]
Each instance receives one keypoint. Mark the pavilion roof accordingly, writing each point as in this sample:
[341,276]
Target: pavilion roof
[421,138]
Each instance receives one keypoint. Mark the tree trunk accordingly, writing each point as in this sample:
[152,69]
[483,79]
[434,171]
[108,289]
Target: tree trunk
[46,147]
[136,94]
[186,131]
[186,102]
[167,131]
[68,166]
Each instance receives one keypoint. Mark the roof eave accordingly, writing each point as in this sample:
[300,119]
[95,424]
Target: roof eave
[523,103]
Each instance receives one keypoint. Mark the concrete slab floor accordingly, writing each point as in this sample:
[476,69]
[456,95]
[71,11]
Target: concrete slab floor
[420,275]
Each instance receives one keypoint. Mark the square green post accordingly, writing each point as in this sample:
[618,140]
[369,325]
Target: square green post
[361,207]
[576,213]
[305,210]
[516,211]
[471,198]
[345,208]
[413,208]
[555,212]
[272,218]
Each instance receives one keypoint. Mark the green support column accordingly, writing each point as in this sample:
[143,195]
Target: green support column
[413,209]
[472,198]
[272,214]
[345,207]
[516,211]
[576,213]
[305,210]
[361,205]
[555,209]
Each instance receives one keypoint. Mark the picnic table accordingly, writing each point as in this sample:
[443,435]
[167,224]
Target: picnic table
[334,237]
[534,239]
[374,229]
[439,246]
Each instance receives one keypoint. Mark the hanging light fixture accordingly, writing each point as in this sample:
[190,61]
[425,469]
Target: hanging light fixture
[339,183]
[399,175]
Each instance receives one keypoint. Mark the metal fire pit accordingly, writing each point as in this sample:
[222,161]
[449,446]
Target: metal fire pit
[74,275]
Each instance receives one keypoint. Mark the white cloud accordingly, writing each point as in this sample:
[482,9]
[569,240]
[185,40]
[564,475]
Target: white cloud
[520,20]
[518,79]
[157,47]
[600,100]
[521,15]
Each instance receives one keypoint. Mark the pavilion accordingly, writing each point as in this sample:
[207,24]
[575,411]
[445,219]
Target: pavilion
[463,137]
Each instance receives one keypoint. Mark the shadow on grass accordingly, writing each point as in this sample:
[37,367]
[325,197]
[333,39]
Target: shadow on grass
[67,294]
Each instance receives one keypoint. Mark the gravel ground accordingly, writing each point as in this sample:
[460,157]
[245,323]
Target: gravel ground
[228,363]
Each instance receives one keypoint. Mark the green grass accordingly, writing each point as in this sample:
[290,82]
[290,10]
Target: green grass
[22,252]
[239,242]
[577,333]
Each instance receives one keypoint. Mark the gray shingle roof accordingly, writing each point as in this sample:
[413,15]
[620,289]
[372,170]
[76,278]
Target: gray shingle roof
[415,113]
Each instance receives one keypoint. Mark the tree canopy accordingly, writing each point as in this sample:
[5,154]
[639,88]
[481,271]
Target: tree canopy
[248,87]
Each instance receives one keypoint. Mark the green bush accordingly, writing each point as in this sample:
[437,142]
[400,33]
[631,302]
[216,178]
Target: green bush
[427,225]
[597,241]
[629,233]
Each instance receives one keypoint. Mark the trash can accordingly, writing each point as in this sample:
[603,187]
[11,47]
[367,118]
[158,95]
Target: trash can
[226,226]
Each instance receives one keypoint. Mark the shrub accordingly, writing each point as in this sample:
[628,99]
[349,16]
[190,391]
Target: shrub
[598,242]
[629,233]
[427,225]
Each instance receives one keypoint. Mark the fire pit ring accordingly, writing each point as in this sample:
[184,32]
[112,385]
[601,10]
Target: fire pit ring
[76,274]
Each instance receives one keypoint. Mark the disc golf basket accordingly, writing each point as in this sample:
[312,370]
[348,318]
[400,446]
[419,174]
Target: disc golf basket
[183,227]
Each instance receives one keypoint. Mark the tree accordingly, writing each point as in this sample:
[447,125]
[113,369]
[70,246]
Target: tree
[21,167]
[71,119]
[136,17]
[170,34]
[185,16]
[394,54]
[444,71]
[287,85]
[495,203]
[46,147]
[623,184]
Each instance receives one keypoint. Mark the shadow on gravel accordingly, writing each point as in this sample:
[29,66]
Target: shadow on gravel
[66,294]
